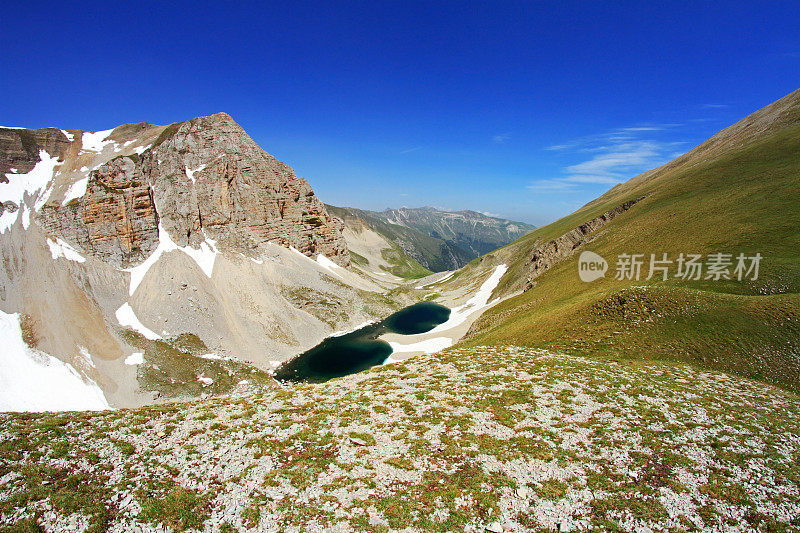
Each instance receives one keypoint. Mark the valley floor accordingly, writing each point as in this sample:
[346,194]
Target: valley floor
[497,439]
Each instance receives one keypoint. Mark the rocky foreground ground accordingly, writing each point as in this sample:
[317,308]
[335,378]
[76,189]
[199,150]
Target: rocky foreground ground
[496,439]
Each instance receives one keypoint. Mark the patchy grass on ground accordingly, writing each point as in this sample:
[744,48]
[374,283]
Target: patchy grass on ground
[515,438]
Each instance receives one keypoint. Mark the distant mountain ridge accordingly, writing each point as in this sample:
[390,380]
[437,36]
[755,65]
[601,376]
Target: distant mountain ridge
[472,231]
[439,239]
[410,252]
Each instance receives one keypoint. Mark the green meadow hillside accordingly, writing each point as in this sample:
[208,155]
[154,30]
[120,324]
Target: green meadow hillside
[737,193]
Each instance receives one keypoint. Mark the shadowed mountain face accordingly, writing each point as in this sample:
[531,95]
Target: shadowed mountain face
[439,240]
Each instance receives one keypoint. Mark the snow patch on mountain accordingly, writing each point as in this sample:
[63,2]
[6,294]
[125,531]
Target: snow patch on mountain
[59,248]
[328,265]
[205,257]
[436,344]
[33,381]
[136,358]
[86,356]
[76,190]
[443,278]
[28,184]
[190,173]
[96,141]
[321,261]
[478,302]
[351,330]
[127,317]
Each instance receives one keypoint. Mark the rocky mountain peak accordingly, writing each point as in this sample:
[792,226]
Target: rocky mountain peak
[202,179]
[210,178]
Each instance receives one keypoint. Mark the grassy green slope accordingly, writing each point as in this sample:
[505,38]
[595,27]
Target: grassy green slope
[724,197]
[447,442]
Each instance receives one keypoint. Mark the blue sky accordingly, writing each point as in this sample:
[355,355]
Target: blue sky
[526,110]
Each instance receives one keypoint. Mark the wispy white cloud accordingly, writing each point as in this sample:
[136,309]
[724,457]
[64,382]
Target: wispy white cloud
[641,128]
[501,138]
[614,162]
[611,157]
[552,185]
[714,106]
[558,147]
[594,143]
[409,150]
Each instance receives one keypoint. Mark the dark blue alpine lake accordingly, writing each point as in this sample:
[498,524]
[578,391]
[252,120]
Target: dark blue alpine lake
[356,351]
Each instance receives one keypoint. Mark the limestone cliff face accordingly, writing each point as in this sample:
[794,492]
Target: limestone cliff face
[204,178]
[209,176]
[115,220]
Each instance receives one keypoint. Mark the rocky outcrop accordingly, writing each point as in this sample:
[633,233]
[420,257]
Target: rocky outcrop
[19,148]
[115,220]
[200,179]
[209,178]
[543,257]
